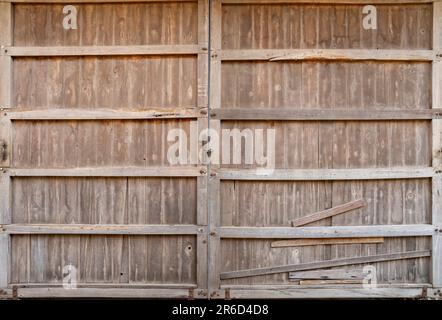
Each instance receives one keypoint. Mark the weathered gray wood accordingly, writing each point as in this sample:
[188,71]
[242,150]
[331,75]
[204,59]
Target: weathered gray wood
[327,174]
[5,61]
[436,272]
[353,205]
[328,274]
[108,293]
[5,199]
[324,264]
[328,232]
[111,172]
[323,114]
[332,293]
[101,229]
[103,114]
[101,50]
[328,54]
[4,260]
[315,242]
[328,1]
[5,140]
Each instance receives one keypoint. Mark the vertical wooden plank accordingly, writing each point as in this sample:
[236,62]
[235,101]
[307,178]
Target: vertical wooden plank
[437,148]
[5,131]
[214,182]
[202,103]
[5,61]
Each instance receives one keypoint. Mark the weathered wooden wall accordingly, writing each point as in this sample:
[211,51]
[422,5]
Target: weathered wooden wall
[89,183]
[85,113]
[338,97]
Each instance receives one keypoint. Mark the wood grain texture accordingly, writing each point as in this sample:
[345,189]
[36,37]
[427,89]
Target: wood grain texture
[309,85]
[131,83]
[324,264]
[329,274]
[315,242]
[331,26]
[70,144]
[324,214]
[104,259]
[63,200]
[348,144]
[107,24]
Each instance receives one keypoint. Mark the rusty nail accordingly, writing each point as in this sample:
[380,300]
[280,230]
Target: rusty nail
[213,174]
[203,111]
[213,233]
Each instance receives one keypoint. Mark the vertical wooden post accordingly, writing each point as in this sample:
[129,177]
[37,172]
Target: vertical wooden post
[437,147]
[203,79]
[5,135]
[215,125]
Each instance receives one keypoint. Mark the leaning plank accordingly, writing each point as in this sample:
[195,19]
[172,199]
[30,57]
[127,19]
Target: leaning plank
[316,242]
[327,174]
[436,269]
[100,229]
[101,50]
[324,114]
[404,230]
[327,54]
[101,114]
[332,274]
[353,205]
[111,172]
[324,264]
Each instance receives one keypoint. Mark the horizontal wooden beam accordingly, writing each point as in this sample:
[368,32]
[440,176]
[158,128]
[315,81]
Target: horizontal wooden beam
[101,114]
[343,292]
[326,54]
[101,229]
[286,114]
[110,293]
[332,274]
[327,174]
[324,264]
[316,242]
[91,1]
[328,1]
[110,172]
[410,230]
[181,49]
[107,285]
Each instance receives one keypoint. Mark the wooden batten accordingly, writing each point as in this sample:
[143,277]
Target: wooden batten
[316,242]
[320,215]
[437,149]
[5,139]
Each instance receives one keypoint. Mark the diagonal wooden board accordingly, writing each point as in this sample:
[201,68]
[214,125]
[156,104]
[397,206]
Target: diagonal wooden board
[315,242]
[329,212]
[324,264]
